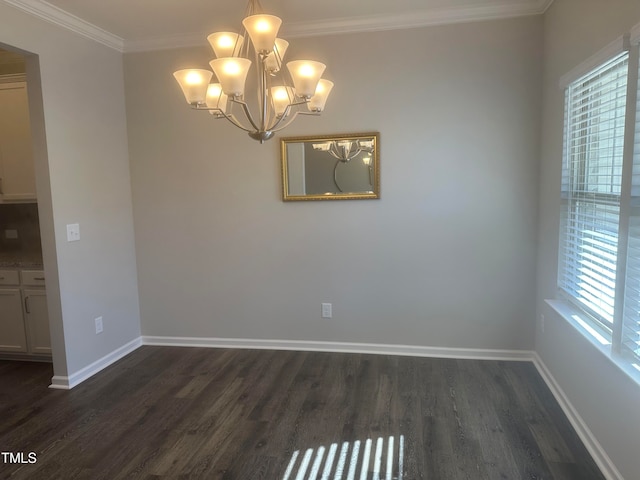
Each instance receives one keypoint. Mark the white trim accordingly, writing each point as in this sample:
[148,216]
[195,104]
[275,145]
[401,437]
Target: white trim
[568,313]
[341,347]
[443,16]
[372,23]
[61,18]
[425,18]
[67,383]
[601,458]
[595,60]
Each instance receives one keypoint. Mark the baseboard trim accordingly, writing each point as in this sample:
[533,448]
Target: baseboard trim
[67,383]
[341,347]
[607,467]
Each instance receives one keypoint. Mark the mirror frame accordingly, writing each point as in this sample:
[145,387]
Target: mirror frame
[375,194]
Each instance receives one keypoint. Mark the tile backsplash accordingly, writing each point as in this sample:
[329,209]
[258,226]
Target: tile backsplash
[19,228]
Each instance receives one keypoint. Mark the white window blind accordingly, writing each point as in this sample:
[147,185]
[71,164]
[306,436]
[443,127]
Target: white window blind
[591,190]
[630,344]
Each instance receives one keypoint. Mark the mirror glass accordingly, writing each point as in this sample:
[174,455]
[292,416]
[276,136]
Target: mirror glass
[331,167]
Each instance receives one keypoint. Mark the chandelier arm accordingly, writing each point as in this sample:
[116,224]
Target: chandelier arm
[333,150]
[247,112]
[221,114]
[335,175]
[355,154]
[235,122]
[287,109]
[275,127]
[263,92]
[334,153]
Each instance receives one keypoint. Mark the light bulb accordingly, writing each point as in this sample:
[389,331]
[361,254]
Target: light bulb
[194,78]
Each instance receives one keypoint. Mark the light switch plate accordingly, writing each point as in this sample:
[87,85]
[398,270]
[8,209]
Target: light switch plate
[11,234]
[73,232]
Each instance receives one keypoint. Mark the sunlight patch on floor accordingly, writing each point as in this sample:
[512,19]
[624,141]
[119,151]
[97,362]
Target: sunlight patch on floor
[361,461]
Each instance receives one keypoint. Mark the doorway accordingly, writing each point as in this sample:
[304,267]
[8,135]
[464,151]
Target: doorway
[29,286]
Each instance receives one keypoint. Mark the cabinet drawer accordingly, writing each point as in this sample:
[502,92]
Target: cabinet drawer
[34,278]
[9,277]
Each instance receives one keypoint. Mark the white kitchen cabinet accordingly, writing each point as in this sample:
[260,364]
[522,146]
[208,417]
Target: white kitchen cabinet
[12,332]
[37,320]
[24,318]
[17,172]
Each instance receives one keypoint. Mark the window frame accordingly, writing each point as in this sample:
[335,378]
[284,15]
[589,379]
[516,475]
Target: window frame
[590,322]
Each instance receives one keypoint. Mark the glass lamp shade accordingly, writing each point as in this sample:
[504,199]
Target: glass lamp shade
[226,44]
[232,74]
[281,97]
[323,147]
[194,84]
[319,99]
[273,62]
[216,98]
[263,30]
[305,75]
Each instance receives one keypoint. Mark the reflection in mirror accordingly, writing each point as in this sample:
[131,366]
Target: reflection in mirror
[335,167]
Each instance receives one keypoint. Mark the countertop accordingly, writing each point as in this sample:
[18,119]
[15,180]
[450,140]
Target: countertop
[21,260]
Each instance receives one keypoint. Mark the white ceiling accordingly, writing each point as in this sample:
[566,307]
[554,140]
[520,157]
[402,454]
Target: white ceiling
[130,25]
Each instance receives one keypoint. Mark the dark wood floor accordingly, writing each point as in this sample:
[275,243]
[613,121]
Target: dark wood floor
[242,414]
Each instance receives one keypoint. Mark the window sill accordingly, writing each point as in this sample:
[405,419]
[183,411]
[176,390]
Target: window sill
[574,317]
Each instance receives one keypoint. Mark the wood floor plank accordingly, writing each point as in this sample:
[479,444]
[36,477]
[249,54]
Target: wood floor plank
[165,412]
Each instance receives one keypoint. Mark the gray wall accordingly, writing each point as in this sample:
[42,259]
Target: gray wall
[85,180]
[445,258]
[605,398]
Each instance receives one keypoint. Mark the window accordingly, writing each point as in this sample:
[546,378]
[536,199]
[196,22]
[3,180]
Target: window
[599,254]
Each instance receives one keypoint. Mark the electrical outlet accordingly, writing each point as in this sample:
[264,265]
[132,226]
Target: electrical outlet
[542,323]
[99,326]
[326,310]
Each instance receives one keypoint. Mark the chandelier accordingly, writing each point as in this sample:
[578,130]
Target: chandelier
[280,98]
[345,150]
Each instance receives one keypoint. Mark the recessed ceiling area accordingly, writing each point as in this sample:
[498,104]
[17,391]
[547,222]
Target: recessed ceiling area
[147,24]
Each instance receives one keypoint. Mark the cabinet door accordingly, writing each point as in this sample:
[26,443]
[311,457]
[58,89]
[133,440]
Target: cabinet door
[17,173]
[37,320]
[12,333]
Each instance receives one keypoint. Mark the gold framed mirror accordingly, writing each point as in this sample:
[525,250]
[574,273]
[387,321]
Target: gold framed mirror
[331,167]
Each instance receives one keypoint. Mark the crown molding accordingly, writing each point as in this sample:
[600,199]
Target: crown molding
[425,18]
[432,17]
[373,23]
[61,18]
